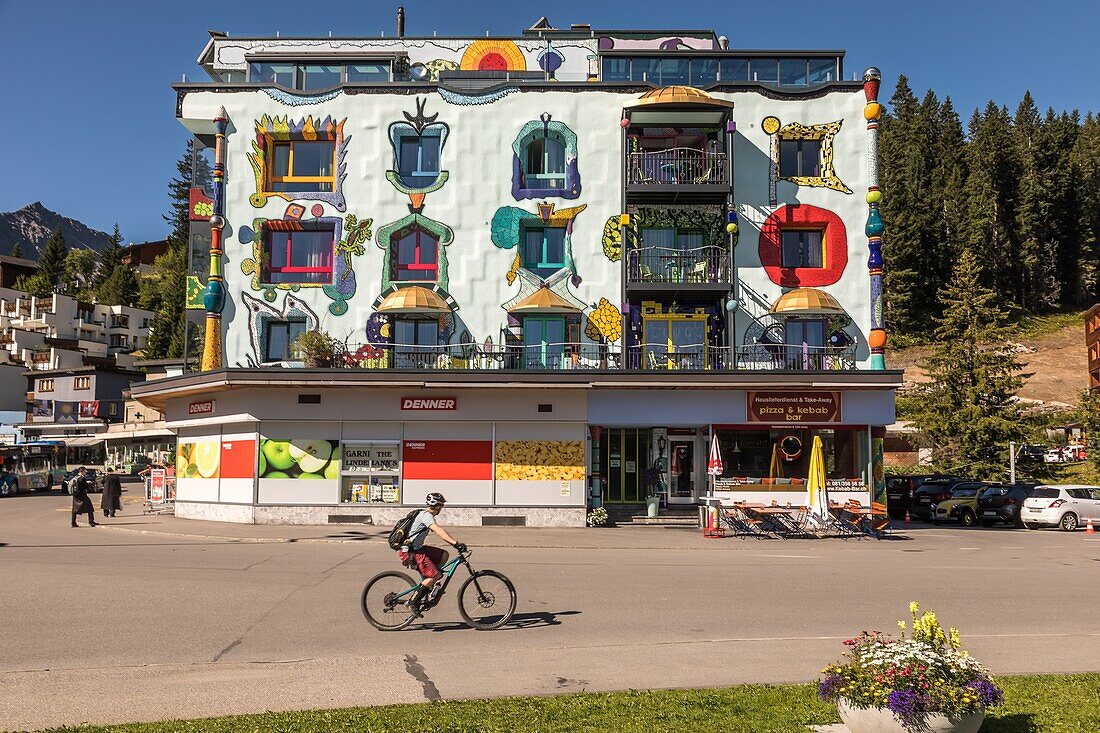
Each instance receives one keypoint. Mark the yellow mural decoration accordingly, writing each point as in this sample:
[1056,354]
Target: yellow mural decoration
[493,56]
[604,323]
[539,460]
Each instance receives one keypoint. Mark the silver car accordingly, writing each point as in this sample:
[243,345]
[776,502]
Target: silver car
[1067,506]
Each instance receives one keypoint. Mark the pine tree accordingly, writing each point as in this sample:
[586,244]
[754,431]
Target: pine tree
[1037,290]
[990,196]
[949,153]
[902,171]
[121,288]
[109,258]
[51,265]
[968,410]
[17,250]
[1085,171]
[165,291]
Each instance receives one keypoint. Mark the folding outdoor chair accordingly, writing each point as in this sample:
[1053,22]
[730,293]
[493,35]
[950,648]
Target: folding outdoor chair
[741,524]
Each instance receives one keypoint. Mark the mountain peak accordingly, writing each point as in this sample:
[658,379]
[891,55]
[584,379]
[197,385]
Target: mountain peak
[33,224]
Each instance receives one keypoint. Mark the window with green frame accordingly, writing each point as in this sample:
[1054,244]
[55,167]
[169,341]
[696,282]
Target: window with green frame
[543,342]
[544,250]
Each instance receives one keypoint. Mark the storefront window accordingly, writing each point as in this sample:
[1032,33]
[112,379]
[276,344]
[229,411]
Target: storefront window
[370,473]
[778,458]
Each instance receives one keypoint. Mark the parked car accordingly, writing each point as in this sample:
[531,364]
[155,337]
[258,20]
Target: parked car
[961,506]
[932,491]
[95,481]
[1053,455]
[900,489]
[1002,503]
[1067,506]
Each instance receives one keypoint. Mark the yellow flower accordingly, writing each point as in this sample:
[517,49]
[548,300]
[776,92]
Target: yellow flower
[913,607]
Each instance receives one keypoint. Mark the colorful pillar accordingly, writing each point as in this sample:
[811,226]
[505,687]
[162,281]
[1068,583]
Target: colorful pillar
[214,297]
[872,111]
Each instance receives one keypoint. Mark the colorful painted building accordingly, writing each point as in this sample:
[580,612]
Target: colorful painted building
[554,265]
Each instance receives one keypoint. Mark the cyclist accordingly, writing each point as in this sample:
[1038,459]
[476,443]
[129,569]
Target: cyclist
[427,559]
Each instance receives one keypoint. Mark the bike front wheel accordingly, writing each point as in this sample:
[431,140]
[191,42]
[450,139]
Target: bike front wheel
[487,600]
[385,602]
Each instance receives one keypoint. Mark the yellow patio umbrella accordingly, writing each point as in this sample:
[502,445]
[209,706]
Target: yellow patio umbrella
[818,494]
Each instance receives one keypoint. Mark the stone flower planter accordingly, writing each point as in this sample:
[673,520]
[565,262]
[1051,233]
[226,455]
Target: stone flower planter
[882,720]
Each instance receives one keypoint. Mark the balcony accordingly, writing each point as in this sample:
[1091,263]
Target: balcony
[666,268]
[672,173]
[592,356]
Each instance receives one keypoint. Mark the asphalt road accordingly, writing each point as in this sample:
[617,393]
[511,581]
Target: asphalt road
[146,619]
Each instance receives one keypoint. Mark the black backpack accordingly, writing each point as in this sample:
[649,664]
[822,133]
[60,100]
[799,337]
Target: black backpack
[399,535]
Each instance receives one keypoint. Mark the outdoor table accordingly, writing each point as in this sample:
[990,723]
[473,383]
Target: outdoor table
[779,519]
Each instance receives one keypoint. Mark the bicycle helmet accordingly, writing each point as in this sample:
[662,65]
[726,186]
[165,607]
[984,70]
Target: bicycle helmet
[434,499]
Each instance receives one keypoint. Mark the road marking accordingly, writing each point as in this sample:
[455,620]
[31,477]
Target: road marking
[970,548]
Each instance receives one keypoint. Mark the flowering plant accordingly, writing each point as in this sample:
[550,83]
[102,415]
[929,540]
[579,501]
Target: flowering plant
[597,517]
[926,672]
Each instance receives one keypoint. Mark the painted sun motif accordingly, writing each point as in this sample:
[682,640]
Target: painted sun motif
[493,56]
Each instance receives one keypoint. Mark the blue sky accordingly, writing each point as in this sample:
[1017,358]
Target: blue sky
[87,120]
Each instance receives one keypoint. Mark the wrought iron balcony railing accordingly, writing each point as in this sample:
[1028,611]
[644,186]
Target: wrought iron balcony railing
[579,356]
[676,167]
[696,266]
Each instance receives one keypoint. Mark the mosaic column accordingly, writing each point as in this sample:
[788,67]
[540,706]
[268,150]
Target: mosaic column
[214,297]
[872,111]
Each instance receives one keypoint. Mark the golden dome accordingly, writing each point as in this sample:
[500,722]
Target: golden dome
[805,301]
[413,300]
[677,95]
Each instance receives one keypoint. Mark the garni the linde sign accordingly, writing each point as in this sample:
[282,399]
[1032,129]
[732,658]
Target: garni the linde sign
[429,403]
[201,408]
[793,407]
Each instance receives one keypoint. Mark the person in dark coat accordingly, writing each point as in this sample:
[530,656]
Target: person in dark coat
[81,503]
[112,494]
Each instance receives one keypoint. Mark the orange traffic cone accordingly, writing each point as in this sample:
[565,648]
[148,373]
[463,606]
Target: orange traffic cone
[1089,529]
[907,516]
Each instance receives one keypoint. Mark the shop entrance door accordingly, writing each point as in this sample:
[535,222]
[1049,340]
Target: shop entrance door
[682,476]
[624,454]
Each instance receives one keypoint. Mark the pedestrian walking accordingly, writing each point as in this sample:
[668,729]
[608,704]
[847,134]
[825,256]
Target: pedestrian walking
[81,503]
[112,494]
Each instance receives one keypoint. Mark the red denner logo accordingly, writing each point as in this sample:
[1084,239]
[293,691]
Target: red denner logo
[429,403]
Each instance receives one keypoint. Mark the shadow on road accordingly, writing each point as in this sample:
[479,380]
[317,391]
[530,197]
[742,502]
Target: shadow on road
[518,621]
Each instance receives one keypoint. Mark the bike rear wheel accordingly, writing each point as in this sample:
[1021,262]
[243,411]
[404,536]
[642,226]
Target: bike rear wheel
[380,603]
[487,600]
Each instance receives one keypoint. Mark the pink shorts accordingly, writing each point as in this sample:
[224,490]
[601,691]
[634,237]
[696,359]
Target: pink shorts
[428,560]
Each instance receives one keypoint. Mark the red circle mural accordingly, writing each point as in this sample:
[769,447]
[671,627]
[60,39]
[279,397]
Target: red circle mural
[803,216]
[493,62]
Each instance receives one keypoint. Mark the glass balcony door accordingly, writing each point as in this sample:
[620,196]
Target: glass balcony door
[543,342]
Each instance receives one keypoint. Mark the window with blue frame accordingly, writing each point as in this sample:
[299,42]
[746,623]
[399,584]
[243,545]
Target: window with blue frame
[544,250]
[765,71]
[545,161]
[418,160]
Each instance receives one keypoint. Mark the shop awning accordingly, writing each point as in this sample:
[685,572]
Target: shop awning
[543,300]
[83,441]
[805,301]
[413,300]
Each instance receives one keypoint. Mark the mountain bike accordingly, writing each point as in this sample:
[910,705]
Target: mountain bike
[486,600]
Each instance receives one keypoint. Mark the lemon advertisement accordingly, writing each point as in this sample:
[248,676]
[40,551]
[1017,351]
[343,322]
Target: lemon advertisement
[315,459]
[200,459]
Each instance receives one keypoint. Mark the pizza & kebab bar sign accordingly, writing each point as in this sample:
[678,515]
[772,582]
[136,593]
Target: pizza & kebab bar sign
[793,407]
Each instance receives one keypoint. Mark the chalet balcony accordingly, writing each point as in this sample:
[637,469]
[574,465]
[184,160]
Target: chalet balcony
[684,175]
[592,356]
[672,266]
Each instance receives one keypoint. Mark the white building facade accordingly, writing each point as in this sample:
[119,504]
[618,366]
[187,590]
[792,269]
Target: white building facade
[556,265]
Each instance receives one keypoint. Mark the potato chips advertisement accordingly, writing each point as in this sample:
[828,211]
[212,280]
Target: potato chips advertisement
[199,459]
[316,459]
[539,460]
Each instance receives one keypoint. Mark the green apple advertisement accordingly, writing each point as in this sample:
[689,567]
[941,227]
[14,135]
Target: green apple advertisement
[314,459]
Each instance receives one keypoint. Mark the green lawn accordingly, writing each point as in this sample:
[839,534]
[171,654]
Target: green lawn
[1045,704]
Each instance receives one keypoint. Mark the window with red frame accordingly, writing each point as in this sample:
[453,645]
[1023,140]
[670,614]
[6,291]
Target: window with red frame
[300,258]
[416,256]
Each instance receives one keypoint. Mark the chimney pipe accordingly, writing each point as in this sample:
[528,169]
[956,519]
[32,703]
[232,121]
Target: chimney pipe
[400,21]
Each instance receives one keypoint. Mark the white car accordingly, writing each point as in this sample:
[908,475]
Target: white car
[1068,507]
[1053,455]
